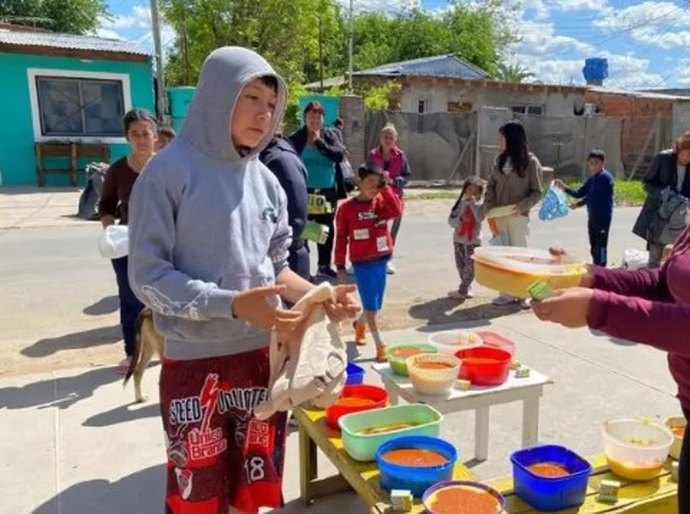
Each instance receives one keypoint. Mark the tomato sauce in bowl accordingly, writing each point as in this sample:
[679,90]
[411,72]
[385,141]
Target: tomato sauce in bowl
[415,457]
[549,470]
[463,499]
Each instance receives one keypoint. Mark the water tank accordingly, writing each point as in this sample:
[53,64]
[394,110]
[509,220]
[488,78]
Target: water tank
[595,71]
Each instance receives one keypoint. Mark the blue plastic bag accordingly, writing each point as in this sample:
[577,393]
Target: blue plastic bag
[554,205]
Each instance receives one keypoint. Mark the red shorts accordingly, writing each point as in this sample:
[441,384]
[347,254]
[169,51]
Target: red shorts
[219,455]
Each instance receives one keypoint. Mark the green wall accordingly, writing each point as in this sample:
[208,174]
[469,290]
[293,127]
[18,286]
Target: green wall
[17,162]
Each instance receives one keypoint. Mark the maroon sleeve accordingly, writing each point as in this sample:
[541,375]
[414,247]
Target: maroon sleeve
[388,206]
[643,283]
[658,324]
[109,195]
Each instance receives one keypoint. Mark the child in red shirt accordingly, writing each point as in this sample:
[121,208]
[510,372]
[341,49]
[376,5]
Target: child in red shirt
[362,230]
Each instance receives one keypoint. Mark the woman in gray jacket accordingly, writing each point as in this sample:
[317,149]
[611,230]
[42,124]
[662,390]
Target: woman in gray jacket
[670,168]
[515,181]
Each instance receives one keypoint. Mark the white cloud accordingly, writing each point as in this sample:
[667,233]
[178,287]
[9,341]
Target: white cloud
[107,33]
[644,15]
[539,38]
[683,72]
[136,27]
[139,17]
[665,40]
[578,5]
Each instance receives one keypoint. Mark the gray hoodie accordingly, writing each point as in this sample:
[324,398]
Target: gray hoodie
[207,222]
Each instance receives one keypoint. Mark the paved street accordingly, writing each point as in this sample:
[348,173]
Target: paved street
[74,443]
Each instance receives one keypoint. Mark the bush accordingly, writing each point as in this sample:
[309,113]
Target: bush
[627,193]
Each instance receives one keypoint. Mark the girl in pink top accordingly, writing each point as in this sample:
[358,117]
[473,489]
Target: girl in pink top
[648,306]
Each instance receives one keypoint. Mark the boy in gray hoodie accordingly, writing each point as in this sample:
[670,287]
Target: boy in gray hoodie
[209,239]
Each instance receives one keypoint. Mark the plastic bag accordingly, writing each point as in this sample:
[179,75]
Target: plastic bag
[346,168]
[114,242]
[634,259]
[554,205]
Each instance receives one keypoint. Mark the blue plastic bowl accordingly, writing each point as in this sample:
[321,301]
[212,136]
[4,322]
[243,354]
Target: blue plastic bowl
[549,494]
[355,374]
[415,479]
[476,485]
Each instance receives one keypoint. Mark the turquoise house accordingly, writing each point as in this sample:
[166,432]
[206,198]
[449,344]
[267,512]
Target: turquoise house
[62,88]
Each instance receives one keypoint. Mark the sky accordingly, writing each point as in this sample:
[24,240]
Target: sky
[646,43]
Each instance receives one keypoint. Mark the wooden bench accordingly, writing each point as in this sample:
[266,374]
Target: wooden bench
[362,477]
[71,151]
[658,496]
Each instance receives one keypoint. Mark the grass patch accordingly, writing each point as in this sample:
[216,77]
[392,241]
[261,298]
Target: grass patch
[626,193]
[433,195]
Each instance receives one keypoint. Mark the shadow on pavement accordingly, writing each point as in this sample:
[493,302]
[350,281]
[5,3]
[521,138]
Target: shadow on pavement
[59,392]
[343,502]
[105,305]
[142,491]
[87,338]
[123,414]
[446,310]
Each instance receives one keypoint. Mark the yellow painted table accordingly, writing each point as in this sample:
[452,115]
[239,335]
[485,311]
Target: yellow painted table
[658,496]
[362,477]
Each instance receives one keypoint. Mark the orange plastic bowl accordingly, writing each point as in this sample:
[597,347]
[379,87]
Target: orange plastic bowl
[355,398]
[484,365]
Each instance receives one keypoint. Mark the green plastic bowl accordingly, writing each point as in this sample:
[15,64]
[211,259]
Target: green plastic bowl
[398,364]
[362,447]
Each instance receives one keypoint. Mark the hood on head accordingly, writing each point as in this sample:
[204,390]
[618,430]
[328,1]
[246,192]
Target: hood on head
[223,75]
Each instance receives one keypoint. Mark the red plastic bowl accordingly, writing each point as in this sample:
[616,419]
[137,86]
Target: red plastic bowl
[378,395]
[484,365]
[494,340]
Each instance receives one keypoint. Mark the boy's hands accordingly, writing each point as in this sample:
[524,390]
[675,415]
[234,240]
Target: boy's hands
[345,306]
[253,305]
[559,183]
[574,205]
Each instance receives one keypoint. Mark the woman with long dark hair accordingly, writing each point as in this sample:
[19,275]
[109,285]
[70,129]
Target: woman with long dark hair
[140,129]
[516,182]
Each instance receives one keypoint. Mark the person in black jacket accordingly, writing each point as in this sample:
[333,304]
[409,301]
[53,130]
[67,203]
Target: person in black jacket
[282,159]
[670,168]
[320,151]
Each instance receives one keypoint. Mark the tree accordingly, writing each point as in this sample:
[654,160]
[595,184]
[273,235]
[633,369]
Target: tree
[290,35]
[512,73]
[70,16]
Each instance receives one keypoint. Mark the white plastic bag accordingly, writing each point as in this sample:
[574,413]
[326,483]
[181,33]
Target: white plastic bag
[113,242]
[346,168]
[635,259]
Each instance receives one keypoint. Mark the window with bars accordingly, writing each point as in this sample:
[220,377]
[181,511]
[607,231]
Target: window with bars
[537,110]
[80,106]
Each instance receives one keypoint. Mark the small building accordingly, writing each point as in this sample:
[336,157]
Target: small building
[63,91]
[449,83]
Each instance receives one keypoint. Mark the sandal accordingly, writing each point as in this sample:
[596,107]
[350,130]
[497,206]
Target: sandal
[381,354]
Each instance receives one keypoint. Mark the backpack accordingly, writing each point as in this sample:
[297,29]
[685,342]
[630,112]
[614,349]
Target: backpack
[670,218]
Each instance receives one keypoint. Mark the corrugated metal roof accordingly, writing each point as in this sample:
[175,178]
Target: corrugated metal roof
[449,65]
[69,41]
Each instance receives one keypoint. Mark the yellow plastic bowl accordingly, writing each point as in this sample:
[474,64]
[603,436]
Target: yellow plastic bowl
[512,270]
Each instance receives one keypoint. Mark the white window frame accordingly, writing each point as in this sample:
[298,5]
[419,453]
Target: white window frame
[33,73]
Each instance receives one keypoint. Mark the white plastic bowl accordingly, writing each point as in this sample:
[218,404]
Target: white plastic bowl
[636,449]
[437,381]
[452,341]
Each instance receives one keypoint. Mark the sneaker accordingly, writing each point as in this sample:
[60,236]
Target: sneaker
[326,271]
[381,353]
[390,269]
[469,294]
[123,366]
[502,300]
[456,295]
[360,333]
[526,303]
[350,270]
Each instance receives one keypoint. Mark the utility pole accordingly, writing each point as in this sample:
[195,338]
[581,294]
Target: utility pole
[320,53]
[350,50]
[161,100]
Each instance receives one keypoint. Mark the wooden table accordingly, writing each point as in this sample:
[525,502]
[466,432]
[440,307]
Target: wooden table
[480,399]
[658,496]
[363,477]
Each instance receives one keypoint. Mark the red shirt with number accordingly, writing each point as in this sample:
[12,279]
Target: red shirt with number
[361,227]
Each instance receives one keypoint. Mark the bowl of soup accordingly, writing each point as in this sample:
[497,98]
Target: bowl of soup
[398,354]
[677,425]
[636,449]
[364,432]
[355,398]
[484,365]
[415,463]
[433,373]
[511,270]
[550,477]
[462,497]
